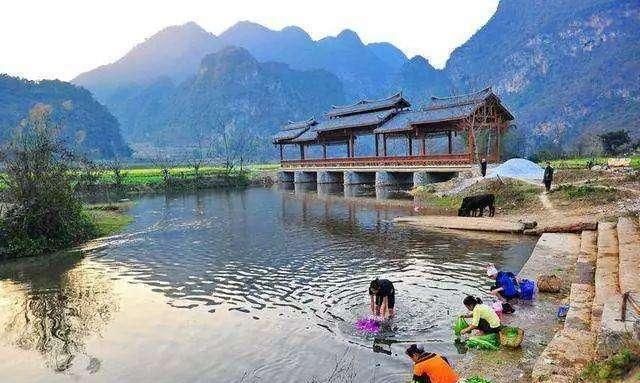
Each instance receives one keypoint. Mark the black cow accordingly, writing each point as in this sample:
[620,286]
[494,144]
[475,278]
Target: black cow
[474,206]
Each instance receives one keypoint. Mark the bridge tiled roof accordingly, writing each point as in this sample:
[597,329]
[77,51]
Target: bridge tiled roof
[475,98]
[372,119]
[404,121]
[440,109]
[365,106]
[293,129]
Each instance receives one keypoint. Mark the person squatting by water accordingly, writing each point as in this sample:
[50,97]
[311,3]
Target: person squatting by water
[548,176]
[430,367]
[383,298]
[483,318]
[505,287]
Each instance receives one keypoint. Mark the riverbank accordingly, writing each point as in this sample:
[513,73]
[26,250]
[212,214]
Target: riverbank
[104,219]
[114,185]
[578,195]
[109,218]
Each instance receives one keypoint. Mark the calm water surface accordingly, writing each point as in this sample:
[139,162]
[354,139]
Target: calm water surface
[247,286]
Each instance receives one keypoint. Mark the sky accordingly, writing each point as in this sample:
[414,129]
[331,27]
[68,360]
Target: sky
[46,39]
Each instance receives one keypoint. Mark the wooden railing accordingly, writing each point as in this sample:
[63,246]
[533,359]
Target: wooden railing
[431,160]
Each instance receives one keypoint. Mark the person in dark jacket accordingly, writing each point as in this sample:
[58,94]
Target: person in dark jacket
[383,297]
[548,176]
[483,167]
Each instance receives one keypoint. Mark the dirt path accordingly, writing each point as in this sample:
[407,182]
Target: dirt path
[546,203]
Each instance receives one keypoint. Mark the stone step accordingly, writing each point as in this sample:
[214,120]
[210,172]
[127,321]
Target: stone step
[629,254]
[586,265]
[574,345]
[606,274]
[580,304]
[565,356]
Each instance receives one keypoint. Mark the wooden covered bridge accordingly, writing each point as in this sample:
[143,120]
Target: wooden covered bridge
[352,143]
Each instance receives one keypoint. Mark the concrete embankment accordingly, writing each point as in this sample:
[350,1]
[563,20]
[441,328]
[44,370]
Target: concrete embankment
[598,323]
[500,225]
[464,223]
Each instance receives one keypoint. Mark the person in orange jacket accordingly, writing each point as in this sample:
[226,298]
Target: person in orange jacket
[430,367]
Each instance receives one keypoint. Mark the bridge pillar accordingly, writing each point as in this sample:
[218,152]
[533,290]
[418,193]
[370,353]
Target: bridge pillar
[358,178]
[328,177]
[426,178]
[386,178]
[300,177]
[284,177]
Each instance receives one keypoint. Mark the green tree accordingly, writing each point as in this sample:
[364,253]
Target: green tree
[616,142]
[44,213]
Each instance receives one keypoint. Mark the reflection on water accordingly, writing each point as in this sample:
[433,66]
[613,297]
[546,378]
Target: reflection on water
[349,191]
[53,311]
[301,259]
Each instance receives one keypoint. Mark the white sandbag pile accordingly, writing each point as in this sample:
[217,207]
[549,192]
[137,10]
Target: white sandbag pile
[518,168]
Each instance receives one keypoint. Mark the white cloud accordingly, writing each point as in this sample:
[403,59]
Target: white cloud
[60,39]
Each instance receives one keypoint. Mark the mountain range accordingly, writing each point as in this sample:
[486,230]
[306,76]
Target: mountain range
[566,69]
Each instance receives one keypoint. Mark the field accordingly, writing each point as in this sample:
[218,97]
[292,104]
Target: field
[153,175]
[148,175]
[581,162]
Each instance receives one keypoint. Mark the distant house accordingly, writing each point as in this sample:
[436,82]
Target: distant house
[475,122]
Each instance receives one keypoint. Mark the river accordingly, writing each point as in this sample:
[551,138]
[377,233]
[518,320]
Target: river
[241,286]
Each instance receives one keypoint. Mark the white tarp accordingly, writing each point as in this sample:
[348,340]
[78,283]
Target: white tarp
[518,168]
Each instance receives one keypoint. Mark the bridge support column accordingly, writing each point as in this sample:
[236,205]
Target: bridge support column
[358,178]
[301,177]
[284,177]
[386,178]
[426,178]
[421,179]
[327,177]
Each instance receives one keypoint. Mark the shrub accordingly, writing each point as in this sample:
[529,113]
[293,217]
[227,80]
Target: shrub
[614,367]
[44,214]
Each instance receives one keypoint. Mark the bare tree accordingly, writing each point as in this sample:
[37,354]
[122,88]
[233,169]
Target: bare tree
[199,154]
[162,160]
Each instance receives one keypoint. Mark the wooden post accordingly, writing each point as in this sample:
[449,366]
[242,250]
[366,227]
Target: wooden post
[410,144]
[281,154]
[377,144]
[353,145]
[324,151]
[450,146]
[423,145]
[384,145]
[302,151]
[499,132]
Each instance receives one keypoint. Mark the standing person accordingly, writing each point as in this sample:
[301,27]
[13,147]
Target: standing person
[483,166]
[383,297]
[482,317]
[548,176]
[430,367]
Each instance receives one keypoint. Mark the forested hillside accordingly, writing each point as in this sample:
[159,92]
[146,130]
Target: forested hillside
[568,70]
[233,101]
[85,124]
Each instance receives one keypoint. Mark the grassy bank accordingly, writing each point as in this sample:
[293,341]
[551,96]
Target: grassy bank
[109,219]
[587,194]
[510,195]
